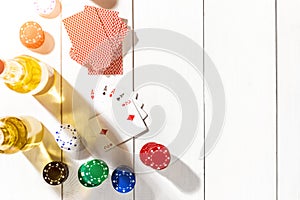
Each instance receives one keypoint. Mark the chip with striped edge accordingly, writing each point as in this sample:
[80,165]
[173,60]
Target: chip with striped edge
[55,173]
[67,138]
[144,154]
[159,157]
[154,155]
[32,35]
[93,173]
[123,179]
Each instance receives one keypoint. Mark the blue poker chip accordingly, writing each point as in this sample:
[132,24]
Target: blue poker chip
[67,138]
[123,179]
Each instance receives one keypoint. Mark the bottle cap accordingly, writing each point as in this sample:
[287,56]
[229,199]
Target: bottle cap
[1,66]
[123,179]
[93,173]
[55,173]
[32,35]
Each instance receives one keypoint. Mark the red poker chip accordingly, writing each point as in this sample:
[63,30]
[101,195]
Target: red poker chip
[159,157]
[144,153]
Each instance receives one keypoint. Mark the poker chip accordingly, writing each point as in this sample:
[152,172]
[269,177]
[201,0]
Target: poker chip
[45,7]
[55,173]
[123,179]
[67,138]
[93,173]
[156,156]
[159,157]
[144,155]
[32,35]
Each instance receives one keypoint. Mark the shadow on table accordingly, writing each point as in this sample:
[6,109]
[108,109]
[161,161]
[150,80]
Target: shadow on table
[182,176]
[178,173]
[47,46]
[74,190]
[46,152]
[50,97]
[58,100]
[143,189]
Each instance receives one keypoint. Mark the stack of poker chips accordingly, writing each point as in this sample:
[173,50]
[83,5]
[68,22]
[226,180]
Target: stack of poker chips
[55,173]
[68,138]
[123,179]
[93,173]
[154,155]
[32,35]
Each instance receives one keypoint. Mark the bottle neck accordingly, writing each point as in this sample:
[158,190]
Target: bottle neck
[11,71]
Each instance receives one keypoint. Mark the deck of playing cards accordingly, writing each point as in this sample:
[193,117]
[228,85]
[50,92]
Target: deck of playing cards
[96,35]
[119,114]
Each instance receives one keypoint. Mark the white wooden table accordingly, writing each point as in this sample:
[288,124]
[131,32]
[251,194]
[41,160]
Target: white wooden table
[254,45]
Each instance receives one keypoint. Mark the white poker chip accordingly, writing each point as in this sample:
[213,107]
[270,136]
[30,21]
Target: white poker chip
[44,7]
[67,138]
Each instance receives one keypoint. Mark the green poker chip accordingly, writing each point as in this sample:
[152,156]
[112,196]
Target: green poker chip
[93,173]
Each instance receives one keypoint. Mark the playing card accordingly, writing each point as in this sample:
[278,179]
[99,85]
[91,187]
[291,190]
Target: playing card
[139,106]
[115,103]
[115,34]
[96,35]
[105,90]
[109,64]
[105,134]
[111,22]
[118,126]
[84,29]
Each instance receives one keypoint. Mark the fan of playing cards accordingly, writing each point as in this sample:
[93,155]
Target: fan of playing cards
[96,35]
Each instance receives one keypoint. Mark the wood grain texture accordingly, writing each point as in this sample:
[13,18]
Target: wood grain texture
[23,172]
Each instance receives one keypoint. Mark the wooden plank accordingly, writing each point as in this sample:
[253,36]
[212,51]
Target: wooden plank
[288,83]
[240,40]
[23,171]
[71,79]
[163,67]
